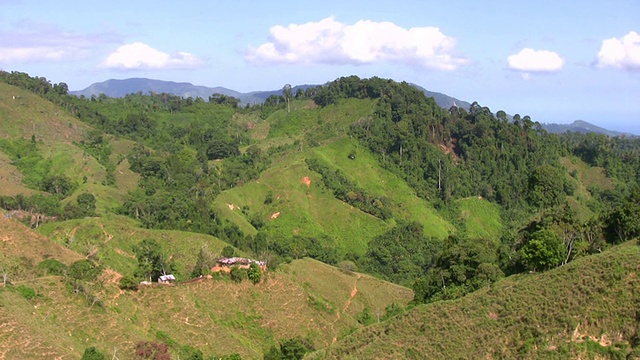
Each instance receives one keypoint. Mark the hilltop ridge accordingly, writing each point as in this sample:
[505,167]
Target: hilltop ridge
[123,87]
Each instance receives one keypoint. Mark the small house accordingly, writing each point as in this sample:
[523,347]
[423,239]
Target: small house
[166,279]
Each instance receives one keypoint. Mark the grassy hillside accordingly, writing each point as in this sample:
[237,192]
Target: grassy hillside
[314,181]
[21,245]
[365,171]
[216,316]
[298,209]
[11,178]
[111,239]
[478,218]
[303,211]
[586,309]
[24,115]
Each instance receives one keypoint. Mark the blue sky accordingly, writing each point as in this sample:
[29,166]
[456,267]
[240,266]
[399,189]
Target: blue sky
[556,61]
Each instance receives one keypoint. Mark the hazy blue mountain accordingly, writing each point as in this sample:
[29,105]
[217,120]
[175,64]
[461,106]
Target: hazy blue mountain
[120,88]
[581,127]
[443,100]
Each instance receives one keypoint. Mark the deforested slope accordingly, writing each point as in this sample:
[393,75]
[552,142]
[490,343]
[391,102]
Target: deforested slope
[585,309]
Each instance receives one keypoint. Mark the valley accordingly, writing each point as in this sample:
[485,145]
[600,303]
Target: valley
[391,227]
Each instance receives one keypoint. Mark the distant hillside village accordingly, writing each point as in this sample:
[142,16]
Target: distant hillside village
[222,265]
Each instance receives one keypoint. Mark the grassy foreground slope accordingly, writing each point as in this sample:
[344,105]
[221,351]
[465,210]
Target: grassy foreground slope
[586,309]
[216,316]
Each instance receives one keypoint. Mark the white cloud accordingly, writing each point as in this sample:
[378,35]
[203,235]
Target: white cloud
[38,53]
[37,42]
[142,56]
[331,42]
[621,53]
[529,60]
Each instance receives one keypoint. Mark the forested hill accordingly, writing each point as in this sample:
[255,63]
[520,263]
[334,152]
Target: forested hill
[121,88]
[366,174]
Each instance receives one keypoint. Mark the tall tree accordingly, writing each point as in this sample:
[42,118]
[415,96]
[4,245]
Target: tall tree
[152,262]
[286,92]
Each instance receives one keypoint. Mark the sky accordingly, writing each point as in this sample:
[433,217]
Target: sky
[556,61]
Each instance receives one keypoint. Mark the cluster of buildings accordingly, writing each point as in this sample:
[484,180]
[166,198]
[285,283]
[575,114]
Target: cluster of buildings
[223,264]
[241,262]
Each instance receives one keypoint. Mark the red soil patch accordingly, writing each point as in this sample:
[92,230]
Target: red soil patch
[307,181]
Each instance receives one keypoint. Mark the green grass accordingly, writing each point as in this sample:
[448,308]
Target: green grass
[305,212]
[314,211]
[548,315]
[11,179]
[479,218]
[29,115]
[365,171]
[587,175]
[586,178]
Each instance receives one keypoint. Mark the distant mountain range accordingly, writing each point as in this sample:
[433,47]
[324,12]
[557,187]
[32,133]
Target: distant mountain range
[120,88]
[581,127]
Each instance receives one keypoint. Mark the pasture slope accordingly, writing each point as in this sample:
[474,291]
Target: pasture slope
[587,309]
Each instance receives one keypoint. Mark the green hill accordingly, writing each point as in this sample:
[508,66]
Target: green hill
[57,136]
[586,309]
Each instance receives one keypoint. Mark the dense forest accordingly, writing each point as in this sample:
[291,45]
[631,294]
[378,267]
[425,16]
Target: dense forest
[188,151]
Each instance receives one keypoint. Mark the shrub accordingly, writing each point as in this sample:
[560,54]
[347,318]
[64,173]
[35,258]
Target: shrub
[365,317]
[92,354]
[228,251]
[237,274]
[392,310]
[51,267]
[347,266]
[254,274]
[128,283]
[152,350]
[26,292]
[84,270]
[295,348]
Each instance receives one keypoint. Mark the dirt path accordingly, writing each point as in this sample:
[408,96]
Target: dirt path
[106,234]
[353,294]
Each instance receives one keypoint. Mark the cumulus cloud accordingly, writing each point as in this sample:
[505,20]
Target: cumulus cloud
[621,53]
[530,60]
[331,42]
[142,56]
